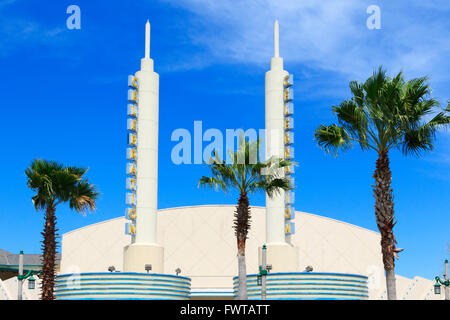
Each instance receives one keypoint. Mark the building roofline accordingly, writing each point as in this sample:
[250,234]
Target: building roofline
[224,205]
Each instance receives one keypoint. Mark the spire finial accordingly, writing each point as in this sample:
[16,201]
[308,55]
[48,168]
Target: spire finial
[147,40]
[276,38]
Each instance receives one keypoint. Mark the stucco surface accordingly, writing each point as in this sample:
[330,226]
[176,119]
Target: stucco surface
[200,241]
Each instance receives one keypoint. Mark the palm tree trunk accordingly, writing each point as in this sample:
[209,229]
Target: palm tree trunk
[384,212]
[49,254]
[242,225]
[242,271]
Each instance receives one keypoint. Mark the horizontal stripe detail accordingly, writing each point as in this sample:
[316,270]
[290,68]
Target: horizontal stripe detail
[313,294]
[124,273]
[254,283]
[311,273]
[122,283]
[112,286]
[307,285]
[121,288]
[269,290]
[114,279]
[315,298]
[122,293]
[270,278]
[128,298]
[212,294]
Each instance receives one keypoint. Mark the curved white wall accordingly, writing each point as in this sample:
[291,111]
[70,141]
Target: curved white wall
[200,240]
[308,286]
[121,285]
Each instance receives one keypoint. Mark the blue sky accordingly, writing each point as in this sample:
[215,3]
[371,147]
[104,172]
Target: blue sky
[63,97]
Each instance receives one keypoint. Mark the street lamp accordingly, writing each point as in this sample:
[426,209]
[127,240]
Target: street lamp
[31,283]
[148,267]
[21,277]
[437,288]
[445,283]
[177,271]
[264,268]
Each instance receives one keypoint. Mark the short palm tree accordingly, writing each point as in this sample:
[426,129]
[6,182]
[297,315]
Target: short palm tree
[384,114]
[247,175]
[53,184]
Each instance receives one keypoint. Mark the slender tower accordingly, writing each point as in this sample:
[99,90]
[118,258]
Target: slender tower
[143,168]
[278,94]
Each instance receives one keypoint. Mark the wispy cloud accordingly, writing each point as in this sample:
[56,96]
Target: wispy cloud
[330,36]
[16,33]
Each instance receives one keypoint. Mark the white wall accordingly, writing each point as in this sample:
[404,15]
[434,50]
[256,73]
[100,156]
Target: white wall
[200,240]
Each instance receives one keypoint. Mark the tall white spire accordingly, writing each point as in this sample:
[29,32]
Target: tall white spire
[145,249]
[276,39]
[280,254]
[147,40]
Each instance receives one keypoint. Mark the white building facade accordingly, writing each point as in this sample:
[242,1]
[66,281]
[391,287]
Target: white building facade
[200,241]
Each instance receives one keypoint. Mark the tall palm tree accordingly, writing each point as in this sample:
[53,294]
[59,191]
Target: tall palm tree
[53,184]
[384,114]
[247,175]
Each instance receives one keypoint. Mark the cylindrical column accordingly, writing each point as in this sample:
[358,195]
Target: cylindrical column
[276,40]
[145,250]
[263,277]
[447,295]
[20,281]
[147,154]
[147,40]
[275,146]
[282,256]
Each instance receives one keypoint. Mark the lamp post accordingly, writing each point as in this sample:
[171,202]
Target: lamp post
[445,283]
[21,278]
[264,268]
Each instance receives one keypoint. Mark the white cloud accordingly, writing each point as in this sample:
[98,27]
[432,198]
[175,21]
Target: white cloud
[16,32]
[326,35]
[242,30]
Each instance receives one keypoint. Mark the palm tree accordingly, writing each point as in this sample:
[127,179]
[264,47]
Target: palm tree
[384,114]
[247,175]
[53,184]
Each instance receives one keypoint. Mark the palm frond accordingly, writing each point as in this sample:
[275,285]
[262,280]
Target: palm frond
[246,172]
[77,171]
[440,120]
[214,183]
[83,196]
[385,113]
[354,119]
[417,140]
[332,138]
[358,93]
[54,183]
